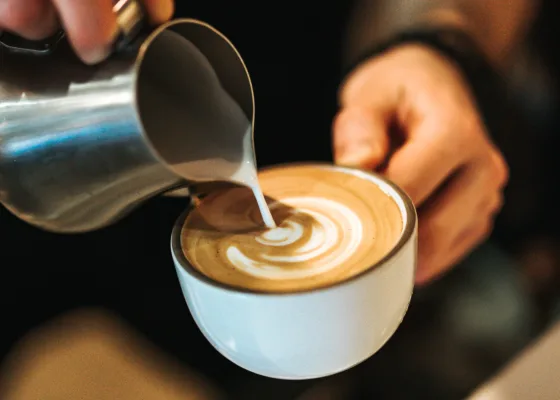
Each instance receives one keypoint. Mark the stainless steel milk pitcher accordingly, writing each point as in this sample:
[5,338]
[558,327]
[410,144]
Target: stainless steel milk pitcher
[80,146]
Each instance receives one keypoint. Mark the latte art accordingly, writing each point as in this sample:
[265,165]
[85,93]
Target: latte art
[331,225]
[319,235]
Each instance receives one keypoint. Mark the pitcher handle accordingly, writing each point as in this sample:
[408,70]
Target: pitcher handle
[130,19]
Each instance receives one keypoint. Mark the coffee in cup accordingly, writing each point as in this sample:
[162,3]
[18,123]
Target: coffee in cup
[331,225]
[313,297]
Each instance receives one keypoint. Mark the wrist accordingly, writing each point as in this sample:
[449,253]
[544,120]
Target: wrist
[455,45]
[404,59]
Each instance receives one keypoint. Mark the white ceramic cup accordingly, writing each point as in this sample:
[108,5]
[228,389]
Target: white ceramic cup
[313,333]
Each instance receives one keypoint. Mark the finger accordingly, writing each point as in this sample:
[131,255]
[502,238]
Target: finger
[91,26]
[473,195]
[494,204]
[159,11]
[469,240]
[360,138]
[428,158]
[31,19]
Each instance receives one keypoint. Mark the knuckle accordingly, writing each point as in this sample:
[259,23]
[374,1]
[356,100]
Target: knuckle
[427,251]
[444,149]
[468,136]
[494,167]
[500,170]
[93,37]
[485,230]
[471,127]
[492,204]
[496,204]
[411,190]
[430,231]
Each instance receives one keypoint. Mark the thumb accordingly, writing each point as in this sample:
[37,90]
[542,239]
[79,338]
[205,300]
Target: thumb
[360,138]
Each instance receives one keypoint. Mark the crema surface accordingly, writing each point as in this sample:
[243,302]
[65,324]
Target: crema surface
[331,225]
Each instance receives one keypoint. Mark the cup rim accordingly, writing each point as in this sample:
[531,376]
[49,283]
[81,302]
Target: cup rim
[396,194]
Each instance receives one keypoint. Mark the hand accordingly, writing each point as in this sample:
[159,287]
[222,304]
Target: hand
[445,161]
[90,24]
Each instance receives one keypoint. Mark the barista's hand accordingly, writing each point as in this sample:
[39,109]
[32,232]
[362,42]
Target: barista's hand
[90,24]
[445,161]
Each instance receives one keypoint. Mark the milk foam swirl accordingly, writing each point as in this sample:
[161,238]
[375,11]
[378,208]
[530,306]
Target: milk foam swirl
[331,225]
[316,247]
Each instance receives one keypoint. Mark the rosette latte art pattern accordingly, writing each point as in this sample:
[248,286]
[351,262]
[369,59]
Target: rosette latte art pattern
[331,225]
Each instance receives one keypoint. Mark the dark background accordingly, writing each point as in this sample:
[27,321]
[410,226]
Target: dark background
[459,330]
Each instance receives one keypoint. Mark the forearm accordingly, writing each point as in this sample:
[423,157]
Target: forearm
[497,26]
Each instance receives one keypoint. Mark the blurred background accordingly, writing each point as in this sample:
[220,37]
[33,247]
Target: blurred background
[109,301]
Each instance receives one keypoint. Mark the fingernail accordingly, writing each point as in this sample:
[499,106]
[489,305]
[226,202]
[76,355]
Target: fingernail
[100,53]
[96,56]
